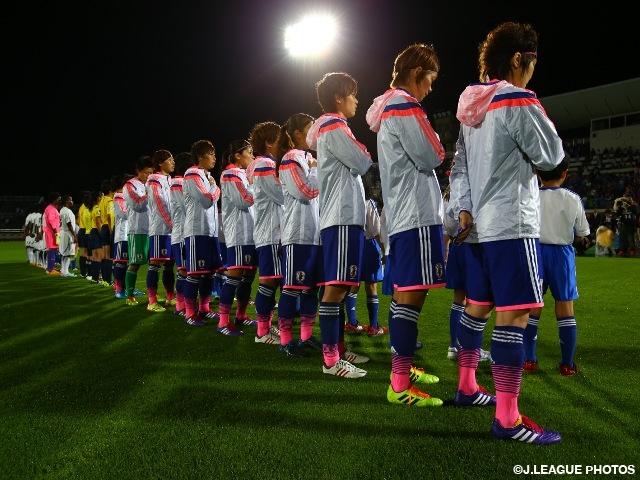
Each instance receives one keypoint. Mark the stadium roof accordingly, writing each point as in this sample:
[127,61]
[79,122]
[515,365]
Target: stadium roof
[575,110]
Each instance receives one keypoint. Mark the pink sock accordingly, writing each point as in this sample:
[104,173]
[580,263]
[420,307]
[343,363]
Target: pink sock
[179,301]
[203,305]
[467,364]
[331,355]
[400,368]
[264,323]
[223,310]
[306,326]
[241,309]
[467,381]
[285,324]
[507,409]
[152,293]
[189,307]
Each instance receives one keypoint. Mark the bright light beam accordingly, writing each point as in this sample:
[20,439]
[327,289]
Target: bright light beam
[311,36]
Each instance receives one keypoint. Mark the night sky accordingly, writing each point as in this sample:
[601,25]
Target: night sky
[89,88]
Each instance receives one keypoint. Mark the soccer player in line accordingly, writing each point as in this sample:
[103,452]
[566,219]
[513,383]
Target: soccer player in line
[200,192]
[408,152]
[371,271]
[51,230]
[68,237]
[455,274]
[84,224]
[95,239]
[268,204]
[301,251]
[341,162]
[504,135]
[135,197]
[563,221]
[159,203]
[106,231]
[237,218]
[120,243]
[178,214]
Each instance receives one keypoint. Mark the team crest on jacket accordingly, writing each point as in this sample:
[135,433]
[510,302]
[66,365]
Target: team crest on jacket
[300,275]
[439,271]
[353,271]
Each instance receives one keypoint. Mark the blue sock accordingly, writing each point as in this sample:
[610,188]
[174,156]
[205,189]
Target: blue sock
[568,333]
[329,320]
[350,301]
[530,339]
[372,308]
[457,309]
[403,329]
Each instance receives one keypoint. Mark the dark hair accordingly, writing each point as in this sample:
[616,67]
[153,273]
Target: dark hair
[94,198]
[124,179]
[53,197]
[183,161]
[497,50]
[416,55]
[297,121]
[201,148]
[262,133]
[367,184]
[236,146]
[65,198]
[107,186]
[143,162]
[158,157]
[332,84]
[556,173]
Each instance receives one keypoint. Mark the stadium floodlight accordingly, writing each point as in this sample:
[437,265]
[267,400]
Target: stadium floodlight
[311,36]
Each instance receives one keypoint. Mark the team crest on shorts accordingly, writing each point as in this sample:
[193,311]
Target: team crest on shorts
[139,256]
[201,264]
[353,271]
[164,252]
[300,276]
[247,259]
[439,271]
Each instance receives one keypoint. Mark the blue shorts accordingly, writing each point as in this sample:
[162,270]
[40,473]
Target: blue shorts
[302,266]
[504,273]
[242,256]
[387,280]
[83,241]
[95,242]
[418,258]
[201,254]
[455,271]
[269,263]
[371,262]
[178,254]
[159,247]
[105,236]
[558,272]
[223,253]
[342,247]
[121,252]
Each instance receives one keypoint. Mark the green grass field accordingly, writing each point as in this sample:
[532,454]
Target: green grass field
[92,389]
